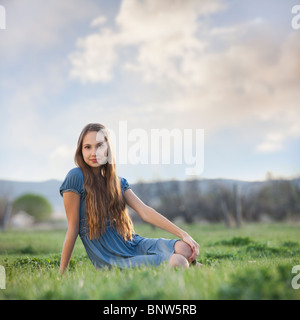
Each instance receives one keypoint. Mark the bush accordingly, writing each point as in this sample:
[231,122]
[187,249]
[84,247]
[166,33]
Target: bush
[35,205]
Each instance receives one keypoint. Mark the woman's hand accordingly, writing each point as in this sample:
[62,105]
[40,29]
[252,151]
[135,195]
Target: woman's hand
[193,244]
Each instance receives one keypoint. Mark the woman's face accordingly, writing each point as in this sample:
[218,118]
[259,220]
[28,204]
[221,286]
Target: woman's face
[94,149]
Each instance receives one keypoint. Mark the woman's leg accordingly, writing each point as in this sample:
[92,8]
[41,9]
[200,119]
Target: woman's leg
[184,249]
[177,260]
[181,255]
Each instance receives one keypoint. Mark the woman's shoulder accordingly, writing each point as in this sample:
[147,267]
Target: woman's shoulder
[75,172]
[124,184]
[122,179]
[73,182]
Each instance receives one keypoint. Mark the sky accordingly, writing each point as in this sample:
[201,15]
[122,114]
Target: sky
[219,80]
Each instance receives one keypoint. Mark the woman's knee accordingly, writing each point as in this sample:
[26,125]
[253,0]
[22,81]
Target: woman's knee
[183,248]
[178,260]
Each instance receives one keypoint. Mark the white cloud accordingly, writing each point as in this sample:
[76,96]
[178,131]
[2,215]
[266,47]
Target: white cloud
[272,143]
[62,151]
[98,21]
[98,57]
[163,31]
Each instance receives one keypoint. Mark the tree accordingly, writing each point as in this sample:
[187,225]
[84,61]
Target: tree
[279,199]
[4,212]
[170,204]
[191,201]
[34,204]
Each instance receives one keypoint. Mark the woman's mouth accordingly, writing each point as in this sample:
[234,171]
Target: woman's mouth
[94,160]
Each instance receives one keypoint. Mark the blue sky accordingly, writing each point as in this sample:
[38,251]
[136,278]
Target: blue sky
[230,68]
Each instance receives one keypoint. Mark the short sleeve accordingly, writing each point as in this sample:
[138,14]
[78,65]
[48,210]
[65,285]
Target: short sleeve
[124,185]
[73,182]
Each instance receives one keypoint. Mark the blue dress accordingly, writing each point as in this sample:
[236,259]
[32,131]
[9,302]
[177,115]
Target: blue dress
[110,249]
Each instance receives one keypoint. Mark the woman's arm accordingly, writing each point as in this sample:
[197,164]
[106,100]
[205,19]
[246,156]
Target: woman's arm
[150,215]
[72,205]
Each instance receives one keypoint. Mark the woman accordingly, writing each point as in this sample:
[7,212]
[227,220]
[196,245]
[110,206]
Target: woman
[95,201]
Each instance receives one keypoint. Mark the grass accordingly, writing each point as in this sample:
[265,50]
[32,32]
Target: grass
[253,262]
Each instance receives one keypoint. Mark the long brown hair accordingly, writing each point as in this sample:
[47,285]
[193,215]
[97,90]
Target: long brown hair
[104,200]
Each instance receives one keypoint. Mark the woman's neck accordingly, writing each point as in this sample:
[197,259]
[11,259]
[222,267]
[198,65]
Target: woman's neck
[98,172]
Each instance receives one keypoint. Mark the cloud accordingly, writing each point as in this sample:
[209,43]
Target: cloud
[162,32]
[98,21]
[97,60]
[62,151]
[272,143]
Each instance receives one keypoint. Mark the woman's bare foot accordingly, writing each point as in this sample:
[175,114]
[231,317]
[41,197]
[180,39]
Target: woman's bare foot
[196,264]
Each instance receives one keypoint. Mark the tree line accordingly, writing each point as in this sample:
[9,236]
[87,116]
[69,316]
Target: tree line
[231,203]
[193,200]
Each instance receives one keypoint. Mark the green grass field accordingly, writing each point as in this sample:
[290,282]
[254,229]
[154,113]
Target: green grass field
[253,262]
